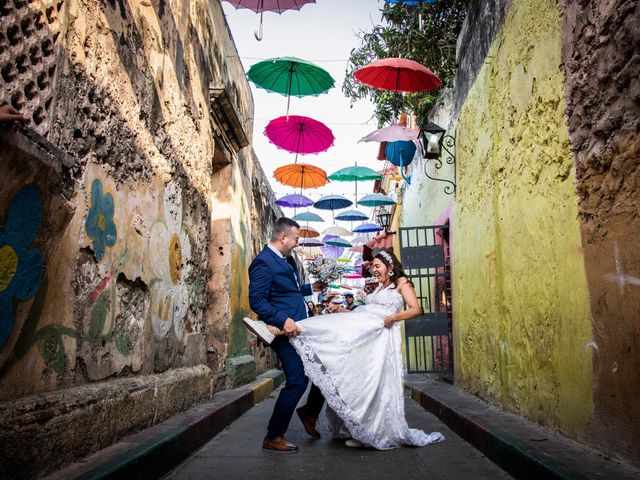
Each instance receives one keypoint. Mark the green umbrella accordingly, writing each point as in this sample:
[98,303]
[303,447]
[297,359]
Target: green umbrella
[375,200]
[290,76]
[355,174]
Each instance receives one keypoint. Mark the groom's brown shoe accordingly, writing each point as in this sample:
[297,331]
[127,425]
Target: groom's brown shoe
[308,422]
[279,445]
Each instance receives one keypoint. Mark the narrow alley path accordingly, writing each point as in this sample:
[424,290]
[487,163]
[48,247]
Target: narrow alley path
[236,453]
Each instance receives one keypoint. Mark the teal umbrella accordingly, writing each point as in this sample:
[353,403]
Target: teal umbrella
[338,242]
[308,217]
[290,76]
[376,200]
[355,174]
[352,216]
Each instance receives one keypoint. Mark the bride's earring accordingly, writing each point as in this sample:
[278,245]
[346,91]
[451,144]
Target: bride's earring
[391,273]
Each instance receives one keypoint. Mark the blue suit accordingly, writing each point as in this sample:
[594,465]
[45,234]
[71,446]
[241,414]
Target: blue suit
[275,294]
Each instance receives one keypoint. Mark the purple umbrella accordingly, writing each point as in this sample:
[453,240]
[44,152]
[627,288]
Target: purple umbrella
[329,251]
[294,201]
[310,242]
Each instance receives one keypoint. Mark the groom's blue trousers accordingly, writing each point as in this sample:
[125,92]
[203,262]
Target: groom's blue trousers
[292,392]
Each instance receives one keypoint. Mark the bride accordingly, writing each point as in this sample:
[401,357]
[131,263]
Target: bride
[354,357]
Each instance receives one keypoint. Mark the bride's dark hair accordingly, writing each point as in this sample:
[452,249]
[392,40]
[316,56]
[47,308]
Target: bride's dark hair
[394,267]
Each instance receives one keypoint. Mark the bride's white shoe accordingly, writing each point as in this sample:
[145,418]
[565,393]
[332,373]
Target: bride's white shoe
[352,442]
[260,329]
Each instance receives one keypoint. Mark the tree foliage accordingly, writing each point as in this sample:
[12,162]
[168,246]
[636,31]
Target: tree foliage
[399,35]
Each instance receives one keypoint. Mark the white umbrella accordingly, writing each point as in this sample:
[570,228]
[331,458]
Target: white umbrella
[339,231]
[394,133]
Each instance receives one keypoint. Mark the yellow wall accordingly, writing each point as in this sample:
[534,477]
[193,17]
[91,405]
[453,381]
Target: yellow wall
[521,308]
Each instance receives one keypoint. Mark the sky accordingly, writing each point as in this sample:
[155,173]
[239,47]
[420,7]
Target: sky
[324,33]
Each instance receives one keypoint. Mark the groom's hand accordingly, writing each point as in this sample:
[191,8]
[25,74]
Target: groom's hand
[290,328]
[318,286]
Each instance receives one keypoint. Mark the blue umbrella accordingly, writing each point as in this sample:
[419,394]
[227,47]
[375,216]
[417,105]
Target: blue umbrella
[352,216]
[400,153]
[294,201]
[368,228]
[333,202]
[308,217]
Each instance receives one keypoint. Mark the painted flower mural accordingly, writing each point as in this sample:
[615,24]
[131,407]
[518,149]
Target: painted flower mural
[99,225]
[21,267]
[169,255]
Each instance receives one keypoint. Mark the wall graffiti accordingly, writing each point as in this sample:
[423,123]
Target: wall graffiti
[170,258]
[99,225]
[21,265]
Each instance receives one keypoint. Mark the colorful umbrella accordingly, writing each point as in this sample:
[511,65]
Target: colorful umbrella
[294,201]
[397,75]
[310,242]
[301,175]
[299,135]
[310,252]
[393,133]
[354,174]
[261,6]
[353,275]
[339,231]
[333,202]
[351,216]
[375,200]
[308,232]
[400,153]
[338,242]
[330,251]
[308,217]
[367,228]
[412,2]
[360,239]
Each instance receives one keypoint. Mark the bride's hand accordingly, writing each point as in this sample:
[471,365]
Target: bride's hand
[389,321]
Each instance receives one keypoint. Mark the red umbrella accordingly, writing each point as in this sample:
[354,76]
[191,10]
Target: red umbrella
[398,75]
[299,135]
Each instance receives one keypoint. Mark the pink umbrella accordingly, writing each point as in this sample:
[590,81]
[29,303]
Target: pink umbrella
[299,135]
[353,275]
[261,6]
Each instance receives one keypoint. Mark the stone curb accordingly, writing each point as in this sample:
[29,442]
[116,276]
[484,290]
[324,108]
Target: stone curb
[156,450]
[517,459]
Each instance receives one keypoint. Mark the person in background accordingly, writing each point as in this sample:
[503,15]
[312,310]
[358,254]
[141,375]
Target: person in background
[349,300]
[312,308]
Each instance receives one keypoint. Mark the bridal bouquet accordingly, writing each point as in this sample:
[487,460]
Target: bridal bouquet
[325,269]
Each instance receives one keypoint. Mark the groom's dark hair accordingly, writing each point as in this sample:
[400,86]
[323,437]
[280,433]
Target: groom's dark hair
[283,225]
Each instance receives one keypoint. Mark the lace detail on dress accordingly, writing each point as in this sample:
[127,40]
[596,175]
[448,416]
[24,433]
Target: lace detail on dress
[357,364]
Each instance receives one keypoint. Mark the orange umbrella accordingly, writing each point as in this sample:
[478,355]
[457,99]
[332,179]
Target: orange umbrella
[301,175]
[308,232]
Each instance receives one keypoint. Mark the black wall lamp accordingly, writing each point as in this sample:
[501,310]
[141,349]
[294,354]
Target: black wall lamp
[384,217]
[434,141]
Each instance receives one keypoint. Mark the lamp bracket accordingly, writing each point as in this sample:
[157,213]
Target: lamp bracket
[448,144]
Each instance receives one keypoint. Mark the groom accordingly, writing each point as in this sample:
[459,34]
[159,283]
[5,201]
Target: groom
[276,295]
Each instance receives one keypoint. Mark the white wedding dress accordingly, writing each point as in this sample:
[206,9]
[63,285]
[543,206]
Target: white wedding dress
[357,364]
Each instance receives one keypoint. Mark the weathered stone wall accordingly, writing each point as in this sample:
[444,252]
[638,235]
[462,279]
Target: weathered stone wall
[125,254]
[521,305]
[601,57]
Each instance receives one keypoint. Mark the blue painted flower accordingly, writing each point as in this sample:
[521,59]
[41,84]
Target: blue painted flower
[99,225]
[21,267]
